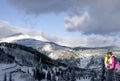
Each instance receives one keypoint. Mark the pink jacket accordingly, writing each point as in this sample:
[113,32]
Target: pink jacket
[117,66]
[110,63]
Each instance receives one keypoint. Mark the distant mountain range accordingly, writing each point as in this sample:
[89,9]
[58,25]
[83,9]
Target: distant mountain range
[18,61]
[40,57]
[10,33]
[36,40]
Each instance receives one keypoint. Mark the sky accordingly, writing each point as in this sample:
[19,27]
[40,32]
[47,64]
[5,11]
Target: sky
[48,22]
[69,19]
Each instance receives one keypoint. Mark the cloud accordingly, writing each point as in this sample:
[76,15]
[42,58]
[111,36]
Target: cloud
[37,7]
[103,18]
[90,41]
[7,30]
[87,16]
[73,23]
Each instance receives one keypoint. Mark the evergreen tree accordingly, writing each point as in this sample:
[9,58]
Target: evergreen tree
[48,76]
[10,77]
[103,71]
[5,77]
[28,71]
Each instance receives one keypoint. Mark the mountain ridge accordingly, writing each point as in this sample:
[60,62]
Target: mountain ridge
[39,37]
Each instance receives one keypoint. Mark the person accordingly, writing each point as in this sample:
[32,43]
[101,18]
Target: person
[111,65]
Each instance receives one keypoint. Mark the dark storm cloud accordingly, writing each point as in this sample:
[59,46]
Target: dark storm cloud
[88,16]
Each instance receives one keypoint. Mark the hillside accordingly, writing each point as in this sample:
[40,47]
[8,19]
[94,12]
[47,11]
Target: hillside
[18,61]
[22,55]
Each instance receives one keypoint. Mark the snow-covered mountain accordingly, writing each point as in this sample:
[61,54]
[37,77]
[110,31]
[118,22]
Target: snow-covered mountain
[40,56]
[38,42]
[17,61]
[55,51]
[20,36]
[9,33]
[21,63]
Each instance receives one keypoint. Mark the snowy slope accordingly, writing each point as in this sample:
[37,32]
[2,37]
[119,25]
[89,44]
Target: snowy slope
[21,63]
[73,56]
[67,61]
[9,31]
[20,36]
[79,65]
[38,42]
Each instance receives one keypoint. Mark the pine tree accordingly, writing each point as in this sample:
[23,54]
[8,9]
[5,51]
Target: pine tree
[28,71]
[48,76]
[5,77]
[33,73]
[10,77]
[103,71]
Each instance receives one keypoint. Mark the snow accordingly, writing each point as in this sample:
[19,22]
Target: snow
[10,39]
[85,60]
[16,76]
[76,80]
[6,68]
[23,36]
[53,56]
[83,80]
[84,57]
[47,47]
[3,66]
[22,77]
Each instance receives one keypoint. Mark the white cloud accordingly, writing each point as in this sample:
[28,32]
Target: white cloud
[83,41]
[7,29]
[104,14]
[4,29]
[90,41]
[77,22]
